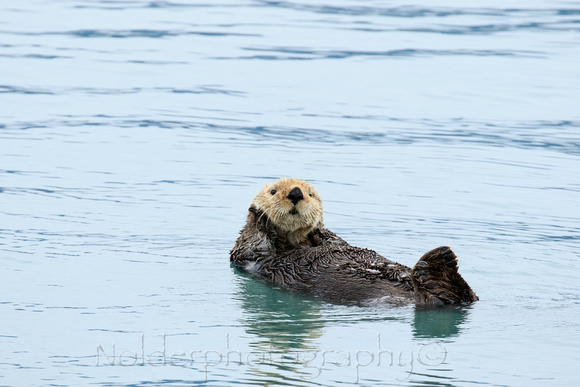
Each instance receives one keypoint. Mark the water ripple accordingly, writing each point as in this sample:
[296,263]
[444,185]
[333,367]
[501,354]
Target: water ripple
[488,29]
[559,136]
[123,5]
[417,12]
[123,34]
[207,89]
[291,53]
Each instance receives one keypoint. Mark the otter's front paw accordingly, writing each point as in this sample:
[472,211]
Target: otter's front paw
[315,238]
[266,227]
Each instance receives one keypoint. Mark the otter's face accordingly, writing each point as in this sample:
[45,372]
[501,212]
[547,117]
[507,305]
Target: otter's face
[290,204]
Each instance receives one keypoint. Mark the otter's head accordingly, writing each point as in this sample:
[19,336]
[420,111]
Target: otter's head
[290,204]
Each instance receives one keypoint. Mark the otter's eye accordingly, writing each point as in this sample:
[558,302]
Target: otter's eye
[310,194]
[273,192]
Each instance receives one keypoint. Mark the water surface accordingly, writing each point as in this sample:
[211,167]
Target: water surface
[134,134]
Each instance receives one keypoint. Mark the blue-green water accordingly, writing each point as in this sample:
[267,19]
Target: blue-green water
[134,134]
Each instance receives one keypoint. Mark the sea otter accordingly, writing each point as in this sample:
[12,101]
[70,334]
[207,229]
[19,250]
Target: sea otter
[285,242]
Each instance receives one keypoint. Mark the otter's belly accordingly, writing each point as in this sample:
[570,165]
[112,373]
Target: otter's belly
[340,287]
[340,274]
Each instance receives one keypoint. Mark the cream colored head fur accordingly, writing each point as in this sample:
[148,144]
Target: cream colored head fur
[289,209]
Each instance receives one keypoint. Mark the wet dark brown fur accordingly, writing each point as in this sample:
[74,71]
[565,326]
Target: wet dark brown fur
[284,241]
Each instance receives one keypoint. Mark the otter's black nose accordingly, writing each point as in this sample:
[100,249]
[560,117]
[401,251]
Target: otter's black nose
[295,195]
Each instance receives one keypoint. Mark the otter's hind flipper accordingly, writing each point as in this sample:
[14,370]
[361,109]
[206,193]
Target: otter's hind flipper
[437,281]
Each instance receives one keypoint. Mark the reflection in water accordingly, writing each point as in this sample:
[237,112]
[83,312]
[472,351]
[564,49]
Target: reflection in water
[287,328]
[282,320]
[286,322]
[439,322]
[284,325]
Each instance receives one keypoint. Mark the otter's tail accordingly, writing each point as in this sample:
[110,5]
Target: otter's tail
[436,280]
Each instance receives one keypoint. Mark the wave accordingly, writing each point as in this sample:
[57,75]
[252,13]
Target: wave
[553,135]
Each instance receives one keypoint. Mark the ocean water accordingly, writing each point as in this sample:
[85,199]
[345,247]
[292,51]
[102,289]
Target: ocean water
[134,134]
